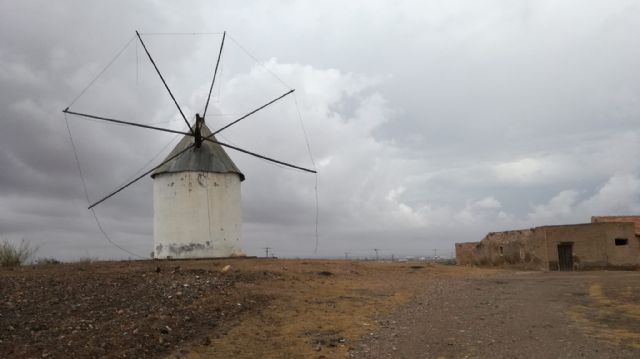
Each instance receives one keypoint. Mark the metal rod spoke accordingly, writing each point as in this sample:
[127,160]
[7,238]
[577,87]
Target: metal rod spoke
[164,82]
[252,112]
[139,177]
[258,155]
[215,72]
[208,138]
[125,122]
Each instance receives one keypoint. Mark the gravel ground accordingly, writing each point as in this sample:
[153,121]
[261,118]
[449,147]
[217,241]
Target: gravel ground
[516,315]
[117,310]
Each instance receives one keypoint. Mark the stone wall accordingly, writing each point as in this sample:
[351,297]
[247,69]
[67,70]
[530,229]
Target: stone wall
[594,245]
[630,219]
[465,253]
[520,248]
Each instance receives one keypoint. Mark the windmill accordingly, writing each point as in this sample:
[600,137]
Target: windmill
[197,207]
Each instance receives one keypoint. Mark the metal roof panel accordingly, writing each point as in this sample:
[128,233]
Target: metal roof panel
[210,157]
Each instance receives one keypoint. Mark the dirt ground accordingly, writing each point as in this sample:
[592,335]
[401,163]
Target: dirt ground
[314,309]
[512,314]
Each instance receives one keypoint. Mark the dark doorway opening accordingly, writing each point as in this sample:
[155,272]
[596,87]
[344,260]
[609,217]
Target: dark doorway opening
[565,256]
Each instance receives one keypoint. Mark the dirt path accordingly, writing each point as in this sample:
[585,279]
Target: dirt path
[516,315]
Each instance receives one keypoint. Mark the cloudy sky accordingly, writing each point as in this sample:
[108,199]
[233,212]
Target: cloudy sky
[430,122]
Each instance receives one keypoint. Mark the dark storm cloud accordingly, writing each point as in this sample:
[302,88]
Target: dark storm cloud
[430,122]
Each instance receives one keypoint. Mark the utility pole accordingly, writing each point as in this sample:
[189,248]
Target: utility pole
[266,251]
[393,257]
[376,250]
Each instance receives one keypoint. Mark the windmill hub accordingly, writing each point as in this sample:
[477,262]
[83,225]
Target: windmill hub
[198,130]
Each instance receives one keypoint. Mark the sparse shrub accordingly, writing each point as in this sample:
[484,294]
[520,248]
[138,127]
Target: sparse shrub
[86,260]
[46,261]
[12,255]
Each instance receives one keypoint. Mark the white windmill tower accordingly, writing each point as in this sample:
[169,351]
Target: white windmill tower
[196,202]
[197,206]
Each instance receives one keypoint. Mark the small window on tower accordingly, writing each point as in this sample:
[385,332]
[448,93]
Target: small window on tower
[501,250]
[622,241]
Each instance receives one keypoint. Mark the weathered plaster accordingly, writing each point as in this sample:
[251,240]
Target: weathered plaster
[197,215]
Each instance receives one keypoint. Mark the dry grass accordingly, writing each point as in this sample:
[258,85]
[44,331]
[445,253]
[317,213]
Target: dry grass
[12,255]
[320,308]
[602,316]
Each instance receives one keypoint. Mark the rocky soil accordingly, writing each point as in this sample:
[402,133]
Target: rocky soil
[117,310]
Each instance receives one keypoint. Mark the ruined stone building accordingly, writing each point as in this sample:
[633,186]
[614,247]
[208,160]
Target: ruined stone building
[606,242]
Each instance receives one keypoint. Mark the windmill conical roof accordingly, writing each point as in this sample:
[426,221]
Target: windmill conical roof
[210,157]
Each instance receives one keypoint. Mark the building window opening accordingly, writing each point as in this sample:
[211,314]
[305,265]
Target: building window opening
[501,250]
[622,241]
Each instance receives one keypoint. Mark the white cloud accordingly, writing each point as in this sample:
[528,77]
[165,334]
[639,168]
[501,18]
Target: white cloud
[524,171]
[559,208]
[619,195]
[488,203]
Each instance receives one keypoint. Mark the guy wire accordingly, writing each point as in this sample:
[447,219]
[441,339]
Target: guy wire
[259,63]
[101,72]
[179,33]
[86,194]
[313,162]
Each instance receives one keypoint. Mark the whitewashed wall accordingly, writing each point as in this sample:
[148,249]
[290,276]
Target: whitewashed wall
[197,215]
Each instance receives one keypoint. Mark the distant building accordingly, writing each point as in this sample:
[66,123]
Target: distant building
[606,242]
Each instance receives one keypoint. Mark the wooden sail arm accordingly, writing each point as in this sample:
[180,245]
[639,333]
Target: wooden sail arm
[258,155]
[164,82]
[101,118]
[252,112]
[208,138]
[112,120]
[139,177]
[215,72]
